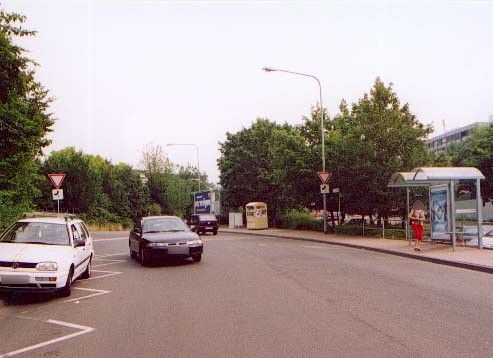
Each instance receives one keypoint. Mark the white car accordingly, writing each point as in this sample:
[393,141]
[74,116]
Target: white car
[45,254]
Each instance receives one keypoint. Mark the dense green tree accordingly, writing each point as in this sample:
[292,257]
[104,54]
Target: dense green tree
[476,151]
[126,192]
[370,141]
[157,169]
[24,121]
[82,185]
[265,162]
[94,187]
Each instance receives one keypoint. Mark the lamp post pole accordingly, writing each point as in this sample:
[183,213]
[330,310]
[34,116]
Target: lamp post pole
[270,69]
[196,148]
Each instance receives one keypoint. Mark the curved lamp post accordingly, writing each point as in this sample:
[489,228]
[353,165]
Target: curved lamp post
[196,148]
[270,69]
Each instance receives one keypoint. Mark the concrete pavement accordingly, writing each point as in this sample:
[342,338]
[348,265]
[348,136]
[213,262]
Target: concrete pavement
[464,256]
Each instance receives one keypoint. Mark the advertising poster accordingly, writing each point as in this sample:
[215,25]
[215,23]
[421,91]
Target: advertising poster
[439,210]
[203,202]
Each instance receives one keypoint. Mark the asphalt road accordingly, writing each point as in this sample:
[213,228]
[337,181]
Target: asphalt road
[257,297]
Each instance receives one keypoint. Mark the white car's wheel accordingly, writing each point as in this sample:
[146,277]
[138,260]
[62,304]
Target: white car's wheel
[87,272]
[67,289]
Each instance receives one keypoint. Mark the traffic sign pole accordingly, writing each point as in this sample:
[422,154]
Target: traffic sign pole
[57,180]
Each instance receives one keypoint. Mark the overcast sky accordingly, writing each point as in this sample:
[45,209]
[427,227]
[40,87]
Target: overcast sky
[127,73]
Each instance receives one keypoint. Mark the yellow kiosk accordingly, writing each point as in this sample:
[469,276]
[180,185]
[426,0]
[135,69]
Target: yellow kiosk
[256,215]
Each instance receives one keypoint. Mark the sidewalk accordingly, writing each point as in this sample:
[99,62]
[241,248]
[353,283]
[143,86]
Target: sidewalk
[465,257]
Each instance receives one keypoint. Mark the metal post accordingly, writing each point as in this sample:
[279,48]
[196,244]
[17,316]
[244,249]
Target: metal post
[479,205]
[408,236]
[269,69]
[452,212]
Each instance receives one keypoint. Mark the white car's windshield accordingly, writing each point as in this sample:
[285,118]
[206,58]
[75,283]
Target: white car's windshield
[36,233]
[164,225]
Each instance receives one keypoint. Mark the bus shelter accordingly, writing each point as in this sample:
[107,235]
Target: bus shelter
[441,184]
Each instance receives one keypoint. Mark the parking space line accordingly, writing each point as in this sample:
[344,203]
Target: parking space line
[98,293]
[83,330]
[108,273]
[111,262]
[97,257]
[111,239]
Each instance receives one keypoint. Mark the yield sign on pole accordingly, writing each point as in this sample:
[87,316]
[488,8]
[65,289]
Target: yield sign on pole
[324,176]
[57,179]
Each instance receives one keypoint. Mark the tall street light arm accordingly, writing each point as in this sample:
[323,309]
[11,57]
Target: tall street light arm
[270,69]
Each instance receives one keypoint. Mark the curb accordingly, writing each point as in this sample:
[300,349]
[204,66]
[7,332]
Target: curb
[463,265]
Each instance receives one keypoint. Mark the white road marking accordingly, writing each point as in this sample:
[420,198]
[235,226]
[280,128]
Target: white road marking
[111,262]
[83,330]
[98,293]
[97,257]
[108,273]
[112,239]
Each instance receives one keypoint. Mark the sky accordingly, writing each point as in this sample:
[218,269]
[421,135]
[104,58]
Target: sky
[128,73]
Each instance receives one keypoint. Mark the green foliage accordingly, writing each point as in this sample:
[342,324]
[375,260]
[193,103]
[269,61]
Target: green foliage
[103,192]
[368,143]
[299,220]
[266,162]
[365,144]
[24,121]
[153,209]
[476,151]
[11,208]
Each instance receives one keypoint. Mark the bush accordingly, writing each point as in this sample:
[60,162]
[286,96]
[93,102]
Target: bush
[299,220]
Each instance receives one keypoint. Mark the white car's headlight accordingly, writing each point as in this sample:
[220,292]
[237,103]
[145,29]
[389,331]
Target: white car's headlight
[194,242]
[47,266]
[156,244]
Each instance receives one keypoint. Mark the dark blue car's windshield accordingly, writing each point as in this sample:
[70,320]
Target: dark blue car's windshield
[164,225]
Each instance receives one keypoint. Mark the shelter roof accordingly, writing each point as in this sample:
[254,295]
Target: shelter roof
[446,173]
[426,176]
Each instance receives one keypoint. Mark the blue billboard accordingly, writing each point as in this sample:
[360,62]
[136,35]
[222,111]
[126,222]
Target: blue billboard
[202,202]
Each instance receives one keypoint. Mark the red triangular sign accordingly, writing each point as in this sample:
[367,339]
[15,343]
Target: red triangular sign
[324,176]
[57,179]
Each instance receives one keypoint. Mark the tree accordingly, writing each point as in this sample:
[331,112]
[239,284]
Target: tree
[82,184]
[157,167]
[24,121]
[265,162]
[477,152]
[126,192]
[369,142]
[94,187]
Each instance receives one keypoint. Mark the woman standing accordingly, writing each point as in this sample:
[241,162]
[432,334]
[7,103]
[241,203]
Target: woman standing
[417,217]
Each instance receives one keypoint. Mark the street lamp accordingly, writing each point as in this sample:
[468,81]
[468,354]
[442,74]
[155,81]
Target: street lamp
[270,69]
[196,148]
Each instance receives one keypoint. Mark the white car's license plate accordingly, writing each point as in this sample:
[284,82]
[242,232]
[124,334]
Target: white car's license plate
[15,279]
